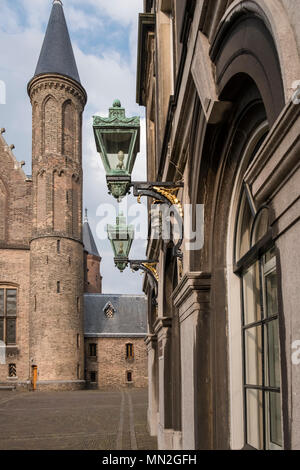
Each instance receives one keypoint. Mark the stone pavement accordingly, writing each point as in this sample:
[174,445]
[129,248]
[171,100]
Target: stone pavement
[82,420]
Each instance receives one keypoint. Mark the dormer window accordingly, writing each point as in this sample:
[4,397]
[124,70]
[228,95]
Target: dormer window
[109,310]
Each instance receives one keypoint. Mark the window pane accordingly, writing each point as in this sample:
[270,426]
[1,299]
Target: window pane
[254,418]
[1,302]
[271,294]
[253,356]
[251,292]
[273,420]
[244,228]
[1,329]
[11,302]
[272,354]
[11,331]
[261,226]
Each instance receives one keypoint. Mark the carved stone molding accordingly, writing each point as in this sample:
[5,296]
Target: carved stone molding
[151,342]
[278,157]
[50,81]
[202,72]
[192,294]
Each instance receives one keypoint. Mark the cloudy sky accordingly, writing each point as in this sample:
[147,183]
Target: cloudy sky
[104,37]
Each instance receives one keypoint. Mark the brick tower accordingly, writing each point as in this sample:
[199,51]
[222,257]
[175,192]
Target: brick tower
[92,261]
[56,313]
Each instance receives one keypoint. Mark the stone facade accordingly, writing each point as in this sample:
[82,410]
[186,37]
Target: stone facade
[221,118]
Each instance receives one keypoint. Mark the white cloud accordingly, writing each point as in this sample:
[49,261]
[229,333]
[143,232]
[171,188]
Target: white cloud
[122,11]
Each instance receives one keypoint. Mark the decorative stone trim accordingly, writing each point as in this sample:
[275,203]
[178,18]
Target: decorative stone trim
[202,71]
[192,294]
[163,322]
[151,340]
[278,157]
[56,81]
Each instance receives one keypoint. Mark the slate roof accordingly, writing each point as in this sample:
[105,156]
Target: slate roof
[88,240]
[57,53]
[129,319]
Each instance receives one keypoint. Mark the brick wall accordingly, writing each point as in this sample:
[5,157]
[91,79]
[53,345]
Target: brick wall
[111,364]
[93,278]
[14,271]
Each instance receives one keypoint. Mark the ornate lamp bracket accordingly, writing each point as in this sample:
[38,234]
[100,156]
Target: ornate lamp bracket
[163,193]
[149,267]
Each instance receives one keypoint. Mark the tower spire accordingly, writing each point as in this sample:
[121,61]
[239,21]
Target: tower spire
[57,54]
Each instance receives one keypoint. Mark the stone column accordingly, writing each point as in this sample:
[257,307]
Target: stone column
[191,297]
[165,433]
[151,343]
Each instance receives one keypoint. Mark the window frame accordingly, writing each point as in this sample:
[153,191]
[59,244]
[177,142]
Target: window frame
[5,316]
[129,351]
[254,255]
[91,346]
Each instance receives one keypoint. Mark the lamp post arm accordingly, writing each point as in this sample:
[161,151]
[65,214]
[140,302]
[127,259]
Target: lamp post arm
[149,267]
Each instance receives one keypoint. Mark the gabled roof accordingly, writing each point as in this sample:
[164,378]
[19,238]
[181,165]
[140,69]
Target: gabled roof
[57,53]
[88,240]
[129,317]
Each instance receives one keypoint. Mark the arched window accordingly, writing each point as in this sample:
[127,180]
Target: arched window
[50,120]
[3,211]
[255,261]
[68,129]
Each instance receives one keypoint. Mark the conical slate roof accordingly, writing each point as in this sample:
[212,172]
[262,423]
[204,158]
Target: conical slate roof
[57,53]
[88,239]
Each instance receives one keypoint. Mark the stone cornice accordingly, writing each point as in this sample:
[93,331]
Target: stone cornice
[163,322]
[277,157]
[6,246]
[56,81]
[56,235]
[191,282]
[150,339]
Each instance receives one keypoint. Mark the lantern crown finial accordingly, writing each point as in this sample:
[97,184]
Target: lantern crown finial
[117,104]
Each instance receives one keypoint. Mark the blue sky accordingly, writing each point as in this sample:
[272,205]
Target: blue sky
[104,38]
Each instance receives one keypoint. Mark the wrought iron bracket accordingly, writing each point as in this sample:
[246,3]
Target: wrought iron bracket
[163,193]
[149,267]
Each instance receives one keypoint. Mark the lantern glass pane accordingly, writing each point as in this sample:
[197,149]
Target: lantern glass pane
[117,147]
[121,247]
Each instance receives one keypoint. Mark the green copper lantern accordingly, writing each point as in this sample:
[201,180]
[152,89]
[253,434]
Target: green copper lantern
[118,142]
[121,237]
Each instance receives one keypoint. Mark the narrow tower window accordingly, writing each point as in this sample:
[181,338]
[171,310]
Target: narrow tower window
[129,351]
[58,246]
[129,376]
[58,287]
[92,349]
